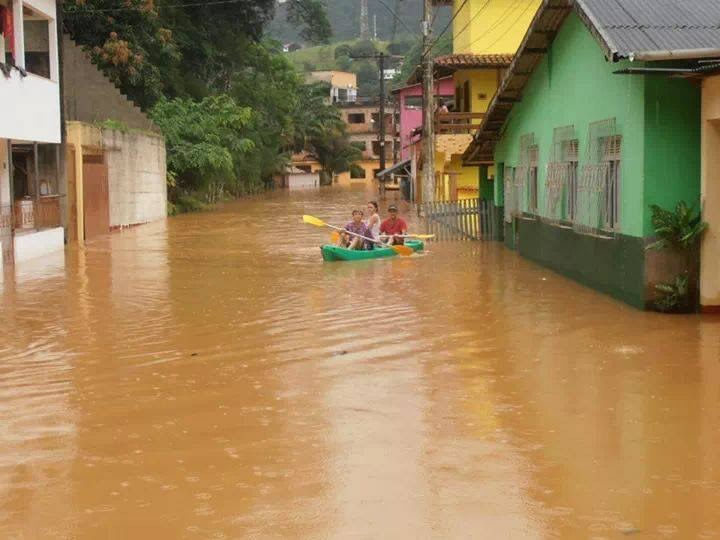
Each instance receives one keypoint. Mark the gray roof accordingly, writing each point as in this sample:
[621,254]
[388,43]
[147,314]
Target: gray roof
[645,30]
[655,29]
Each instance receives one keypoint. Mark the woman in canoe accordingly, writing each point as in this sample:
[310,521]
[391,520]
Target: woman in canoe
[373,220]
[357,226]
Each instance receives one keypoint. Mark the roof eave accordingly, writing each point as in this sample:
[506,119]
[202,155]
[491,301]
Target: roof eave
[678,54]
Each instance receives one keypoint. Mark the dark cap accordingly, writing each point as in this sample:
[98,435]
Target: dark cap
[392,208]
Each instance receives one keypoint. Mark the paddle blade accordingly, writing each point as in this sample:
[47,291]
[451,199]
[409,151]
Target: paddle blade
[312,220]
[403,250]
[335,237]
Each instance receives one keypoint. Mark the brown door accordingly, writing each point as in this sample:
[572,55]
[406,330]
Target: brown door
[96,201]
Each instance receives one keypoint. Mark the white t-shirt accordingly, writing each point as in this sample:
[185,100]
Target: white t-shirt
[374,224]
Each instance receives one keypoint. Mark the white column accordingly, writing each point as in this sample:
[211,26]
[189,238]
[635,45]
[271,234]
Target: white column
[17,8]
[53,50]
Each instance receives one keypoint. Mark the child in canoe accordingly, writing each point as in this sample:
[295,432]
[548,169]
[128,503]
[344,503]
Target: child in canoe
[357,226]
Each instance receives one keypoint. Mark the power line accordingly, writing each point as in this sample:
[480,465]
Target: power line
[523,12]
[460,32]
[397,17]
[442,32]
[140,8]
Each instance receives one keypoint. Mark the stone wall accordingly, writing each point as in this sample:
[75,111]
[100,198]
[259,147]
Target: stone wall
[136,177]
[91,97]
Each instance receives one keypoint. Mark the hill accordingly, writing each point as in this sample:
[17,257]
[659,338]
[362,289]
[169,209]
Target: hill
[344,18]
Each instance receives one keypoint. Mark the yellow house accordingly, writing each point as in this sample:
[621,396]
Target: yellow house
[486,35]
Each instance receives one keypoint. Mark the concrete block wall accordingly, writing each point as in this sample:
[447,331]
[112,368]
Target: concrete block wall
[91,97]
[136,177]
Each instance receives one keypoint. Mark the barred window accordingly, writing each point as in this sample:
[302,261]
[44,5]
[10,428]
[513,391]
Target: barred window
[533,179]
[612,157]
[570,158]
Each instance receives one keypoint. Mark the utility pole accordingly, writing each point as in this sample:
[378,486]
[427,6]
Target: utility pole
[381,65]
[380,58]
[428,108]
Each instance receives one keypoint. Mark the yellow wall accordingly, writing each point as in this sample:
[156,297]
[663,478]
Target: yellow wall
[81,139]
[710,193]
[335,78]
[495,26]
[368,165]
[482,83]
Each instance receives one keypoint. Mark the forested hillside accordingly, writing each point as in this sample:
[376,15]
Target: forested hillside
[344,16]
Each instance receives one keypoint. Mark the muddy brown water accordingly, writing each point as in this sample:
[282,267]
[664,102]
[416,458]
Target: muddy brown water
[211,377]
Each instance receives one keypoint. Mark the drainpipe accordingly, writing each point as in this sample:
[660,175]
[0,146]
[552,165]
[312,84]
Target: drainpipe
[678,54]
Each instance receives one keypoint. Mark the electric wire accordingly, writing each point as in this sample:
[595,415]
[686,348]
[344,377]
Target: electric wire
[442,32]
[522,13]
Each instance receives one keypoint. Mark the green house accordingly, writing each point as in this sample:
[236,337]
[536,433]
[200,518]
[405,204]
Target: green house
[582,148]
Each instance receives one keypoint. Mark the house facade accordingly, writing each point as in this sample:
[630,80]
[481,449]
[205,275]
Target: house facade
[343,85]
[486,34]
[30,131]
[408,102]
[585,143]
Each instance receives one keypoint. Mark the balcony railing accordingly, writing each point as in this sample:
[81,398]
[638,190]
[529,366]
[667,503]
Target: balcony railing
[454,123]
[29,215]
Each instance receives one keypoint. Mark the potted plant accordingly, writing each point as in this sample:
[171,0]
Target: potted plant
[678,232]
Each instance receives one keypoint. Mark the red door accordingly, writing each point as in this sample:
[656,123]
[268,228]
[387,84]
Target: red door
[96,199]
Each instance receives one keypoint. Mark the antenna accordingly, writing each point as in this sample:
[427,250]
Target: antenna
[364,20]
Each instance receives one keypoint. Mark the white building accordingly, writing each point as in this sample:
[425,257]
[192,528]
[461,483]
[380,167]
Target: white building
[30,198]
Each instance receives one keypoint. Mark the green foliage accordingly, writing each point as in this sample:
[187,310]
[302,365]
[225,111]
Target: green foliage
[363,48]
[116,125]
[675,295]
[311,17]
[206,140]
[679,229]
[343,50]
[344,16]
[413,57]
[231,106]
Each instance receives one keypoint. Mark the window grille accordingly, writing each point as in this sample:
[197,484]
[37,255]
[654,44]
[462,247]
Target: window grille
[510,198]
[598,194]
[534,156]
[561,180]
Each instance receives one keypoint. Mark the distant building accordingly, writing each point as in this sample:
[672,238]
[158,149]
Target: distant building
[291,47]
[343,85]
[363,126]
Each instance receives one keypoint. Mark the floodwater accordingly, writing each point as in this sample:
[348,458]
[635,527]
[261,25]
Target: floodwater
[210,377]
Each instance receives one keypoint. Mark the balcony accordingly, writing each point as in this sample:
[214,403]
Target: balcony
[457,123]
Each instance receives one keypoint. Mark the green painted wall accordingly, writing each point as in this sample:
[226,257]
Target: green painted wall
[574,85]
[672,144]
[658,118]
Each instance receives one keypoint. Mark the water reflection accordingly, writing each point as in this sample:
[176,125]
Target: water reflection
[210,377]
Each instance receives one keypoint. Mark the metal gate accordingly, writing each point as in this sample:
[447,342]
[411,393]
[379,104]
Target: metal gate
[96,197]
[469,219]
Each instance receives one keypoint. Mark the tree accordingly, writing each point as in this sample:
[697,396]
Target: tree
[207,141]
[310,15]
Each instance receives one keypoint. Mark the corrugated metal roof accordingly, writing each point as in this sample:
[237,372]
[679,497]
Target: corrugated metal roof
[643,29]
[631,28]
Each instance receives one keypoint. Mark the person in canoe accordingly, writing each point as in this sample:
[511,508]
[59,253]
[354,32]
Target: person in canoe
[373,221]
[393,228]
[357,226]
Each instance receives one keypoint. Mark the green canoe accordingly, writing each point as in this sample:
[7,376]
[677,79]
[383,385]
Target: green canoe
[336,253]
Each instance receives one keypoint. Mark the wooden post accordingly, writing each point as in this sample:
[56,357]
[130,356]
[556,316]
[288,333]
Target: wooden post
[428,105]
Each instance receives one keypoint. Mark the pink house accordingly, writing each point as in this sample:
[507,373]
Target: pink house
[409,103]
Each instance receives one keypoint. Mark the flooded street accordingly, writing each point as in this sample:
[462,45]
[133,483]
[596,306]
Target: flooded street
[211,377]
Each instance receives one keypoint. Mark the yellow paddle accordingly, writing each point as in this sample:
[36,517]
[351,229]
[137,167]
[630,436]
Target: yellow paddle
[335,236]
[400,250]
